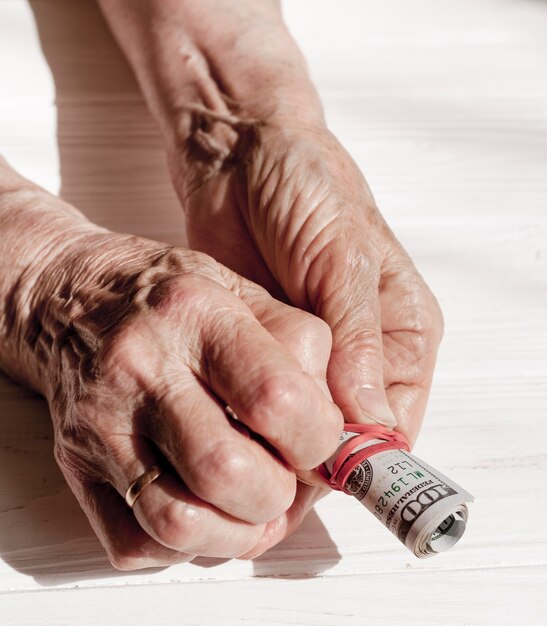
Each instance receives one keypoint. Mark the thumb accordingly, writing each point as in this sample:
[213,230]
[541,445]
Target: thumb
[349,303]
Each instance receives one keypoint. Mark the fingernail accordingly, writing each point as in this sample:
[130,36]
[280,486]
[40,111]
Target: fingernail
[375,407]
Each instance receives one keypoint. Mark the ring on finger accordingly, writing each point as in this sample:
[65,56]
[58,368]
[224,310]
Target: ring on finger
[141,483]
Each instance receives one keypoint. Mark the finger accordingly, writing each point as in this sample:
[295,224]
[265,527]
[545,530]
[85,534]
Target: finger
[127,545]
[218,463]
[170,513]
[306,336]
[268,389]
[310,340]
[175,517]
[286,524]
[409,403]
[344,292]
[410,362]
[412,333]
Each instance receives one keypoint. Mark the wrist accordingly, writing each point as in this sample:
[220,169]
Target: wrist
[204,63]
[242,85]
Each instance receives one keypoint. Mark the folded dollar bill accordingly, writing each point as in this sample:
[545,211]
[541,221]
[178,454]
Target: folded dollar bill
[423,508]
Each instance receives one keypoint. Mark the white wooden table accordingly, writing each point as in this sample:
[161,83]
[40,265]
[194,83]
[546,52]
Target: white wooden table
[444,105]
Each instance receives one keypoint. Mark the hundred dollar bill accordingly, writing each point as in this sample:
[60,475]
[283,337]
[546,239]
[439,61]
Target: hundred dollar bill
[423,508]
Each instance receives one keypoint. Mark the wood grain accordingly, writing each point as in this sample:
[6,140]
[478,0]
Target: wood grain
[443,104]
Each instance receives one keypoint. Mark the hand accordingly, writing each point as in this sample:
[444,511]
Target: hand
[289,209]
[144,346]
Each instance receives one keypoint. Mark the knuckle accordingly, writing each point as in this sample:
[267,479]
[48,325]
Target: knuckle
[120,357]
[274,397]
[169,293]
[318,329]
[185,290]
[277,401]
[181,302]
[221,472]
[313,332]
[177,525]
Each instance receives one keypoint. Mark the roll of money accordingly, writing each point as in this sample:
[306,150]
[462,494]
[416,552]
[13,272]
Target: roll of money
[424,509]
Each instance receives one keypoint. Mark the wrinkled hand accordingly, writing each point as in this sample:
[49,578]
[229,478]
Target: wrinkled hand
[144,347]
[286,206]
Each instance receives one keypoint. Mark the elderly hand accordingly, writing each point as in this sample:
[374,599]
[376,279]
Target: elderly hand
[145,355]
[294,213]
[138,347]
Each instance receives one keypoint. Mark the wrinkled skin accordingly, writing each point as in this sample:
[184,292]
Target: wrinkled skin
[270,193]
[289,209]
[143,347]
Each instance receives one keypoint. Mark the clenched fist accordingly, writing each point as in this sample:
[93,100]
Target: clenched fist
[145,347]
[139,348]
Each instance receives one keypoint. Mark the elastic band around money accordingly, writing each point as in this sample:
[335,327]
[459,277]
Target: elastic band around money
[348,460]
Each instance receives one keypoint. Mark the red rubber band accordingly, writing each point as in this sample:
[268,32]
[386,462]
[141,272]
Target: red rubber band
[348,460]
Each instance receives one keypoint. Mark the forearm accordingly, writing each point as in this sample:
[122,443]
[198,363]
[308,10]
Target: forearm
[230,58]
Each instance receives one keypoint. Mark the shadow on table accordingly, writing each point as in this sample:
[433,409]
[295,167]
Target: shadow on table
[45,534]
[308,552]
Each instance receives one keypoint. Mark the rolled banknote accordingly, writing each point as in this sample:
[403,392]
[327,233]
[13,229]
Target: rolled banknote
[423,508]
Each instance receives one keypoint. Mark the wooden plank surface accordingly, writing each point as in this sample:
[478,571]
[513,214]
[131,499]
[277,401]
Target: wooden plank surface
[443,103]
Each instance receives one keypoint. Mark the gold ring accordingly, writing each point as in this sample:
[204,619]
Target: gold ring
[139,485]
